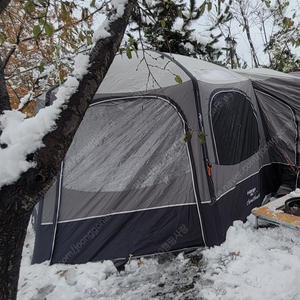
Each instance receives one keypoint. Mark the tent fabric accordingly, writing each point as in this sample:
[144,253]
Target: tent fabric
[284,102]
[278,97]
[129,185]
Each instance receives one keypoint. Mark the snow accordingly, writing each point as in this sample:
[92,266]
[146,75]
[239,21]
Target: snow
[189,46]
[254,264]
[23,136]
[98,4]
[218,46]
[186,13]
[101,32]
[177,24]
[203,37]
[251,264]
[213,75]
[81,63]
[119,5]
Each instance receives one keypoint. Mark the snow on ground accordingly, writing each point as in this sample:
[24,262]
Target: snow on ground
[251,264]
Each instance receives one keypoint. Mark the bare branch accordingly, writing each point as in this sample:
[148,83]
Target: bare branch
[12,50]
[63,26]
[247,28]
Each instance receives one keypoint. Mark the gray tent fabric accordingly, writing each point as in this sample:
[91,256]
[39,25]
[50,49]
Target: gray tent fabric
[278,95]
[130,185]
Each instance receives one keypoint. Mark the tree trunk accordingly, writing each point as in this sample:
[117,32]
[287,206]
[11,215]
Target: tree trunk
[13,224]
[18,199]
[4,99]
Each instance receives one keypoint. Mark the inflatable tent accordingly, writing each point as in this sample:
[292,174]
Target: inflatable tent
[131,186]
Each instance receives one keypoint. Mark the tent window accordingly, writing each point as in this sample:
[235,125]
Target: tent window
[235,127]
[126,144]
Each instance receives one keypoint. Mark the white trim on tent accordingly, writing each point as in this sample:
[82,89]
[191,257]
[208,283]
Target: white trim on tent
[265,165]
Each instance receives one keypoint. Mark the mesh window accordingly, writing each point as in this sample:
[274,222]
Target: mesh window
[235,127]
[126,144]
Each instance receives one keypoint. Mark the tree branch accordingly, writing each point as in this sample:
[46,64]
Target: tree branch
[247,28]
[13,49]
[63,26]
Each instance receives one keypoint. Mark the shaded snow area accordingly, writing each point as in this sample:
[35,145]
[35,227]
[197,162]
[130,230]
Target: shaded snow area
[250,264]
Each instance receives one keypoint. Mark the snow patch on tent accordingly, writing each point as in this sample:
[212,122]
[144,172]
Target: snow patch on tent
[213,75]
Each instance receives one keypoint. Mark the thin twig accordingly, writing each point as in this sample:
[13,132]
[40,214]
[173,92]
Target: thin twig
[12,50]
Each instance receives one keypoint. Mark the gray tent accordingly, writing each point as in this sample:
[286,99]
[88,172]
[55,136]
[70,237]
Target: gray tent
[129,185]
[278,98]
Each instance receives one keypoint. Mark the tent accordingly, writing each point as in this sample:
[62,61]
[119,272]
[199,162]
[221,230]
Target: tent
[278,98]
[130,186]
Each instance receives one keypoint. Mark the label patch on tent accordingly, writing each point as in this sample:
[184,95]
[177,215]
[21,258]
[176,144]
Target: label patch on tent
[254,194]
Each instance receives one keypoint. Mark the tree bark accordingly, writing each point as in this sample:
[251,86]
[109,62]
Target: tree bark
[13,224]
[17,200]
[4,99]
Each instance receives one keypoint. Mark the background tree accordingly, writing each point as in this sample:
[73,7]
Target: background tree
[284,37]
[38,41]
[270,29]
[169,26]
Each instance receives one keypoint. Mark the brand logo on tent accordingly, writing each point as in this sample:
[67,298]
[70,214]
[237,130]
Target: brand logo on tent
[254,194]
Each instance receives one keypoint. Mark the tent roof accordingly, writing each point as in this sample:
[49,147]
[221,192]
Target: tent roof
[262,74]
[133,75]
[297,74]
[206,71]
